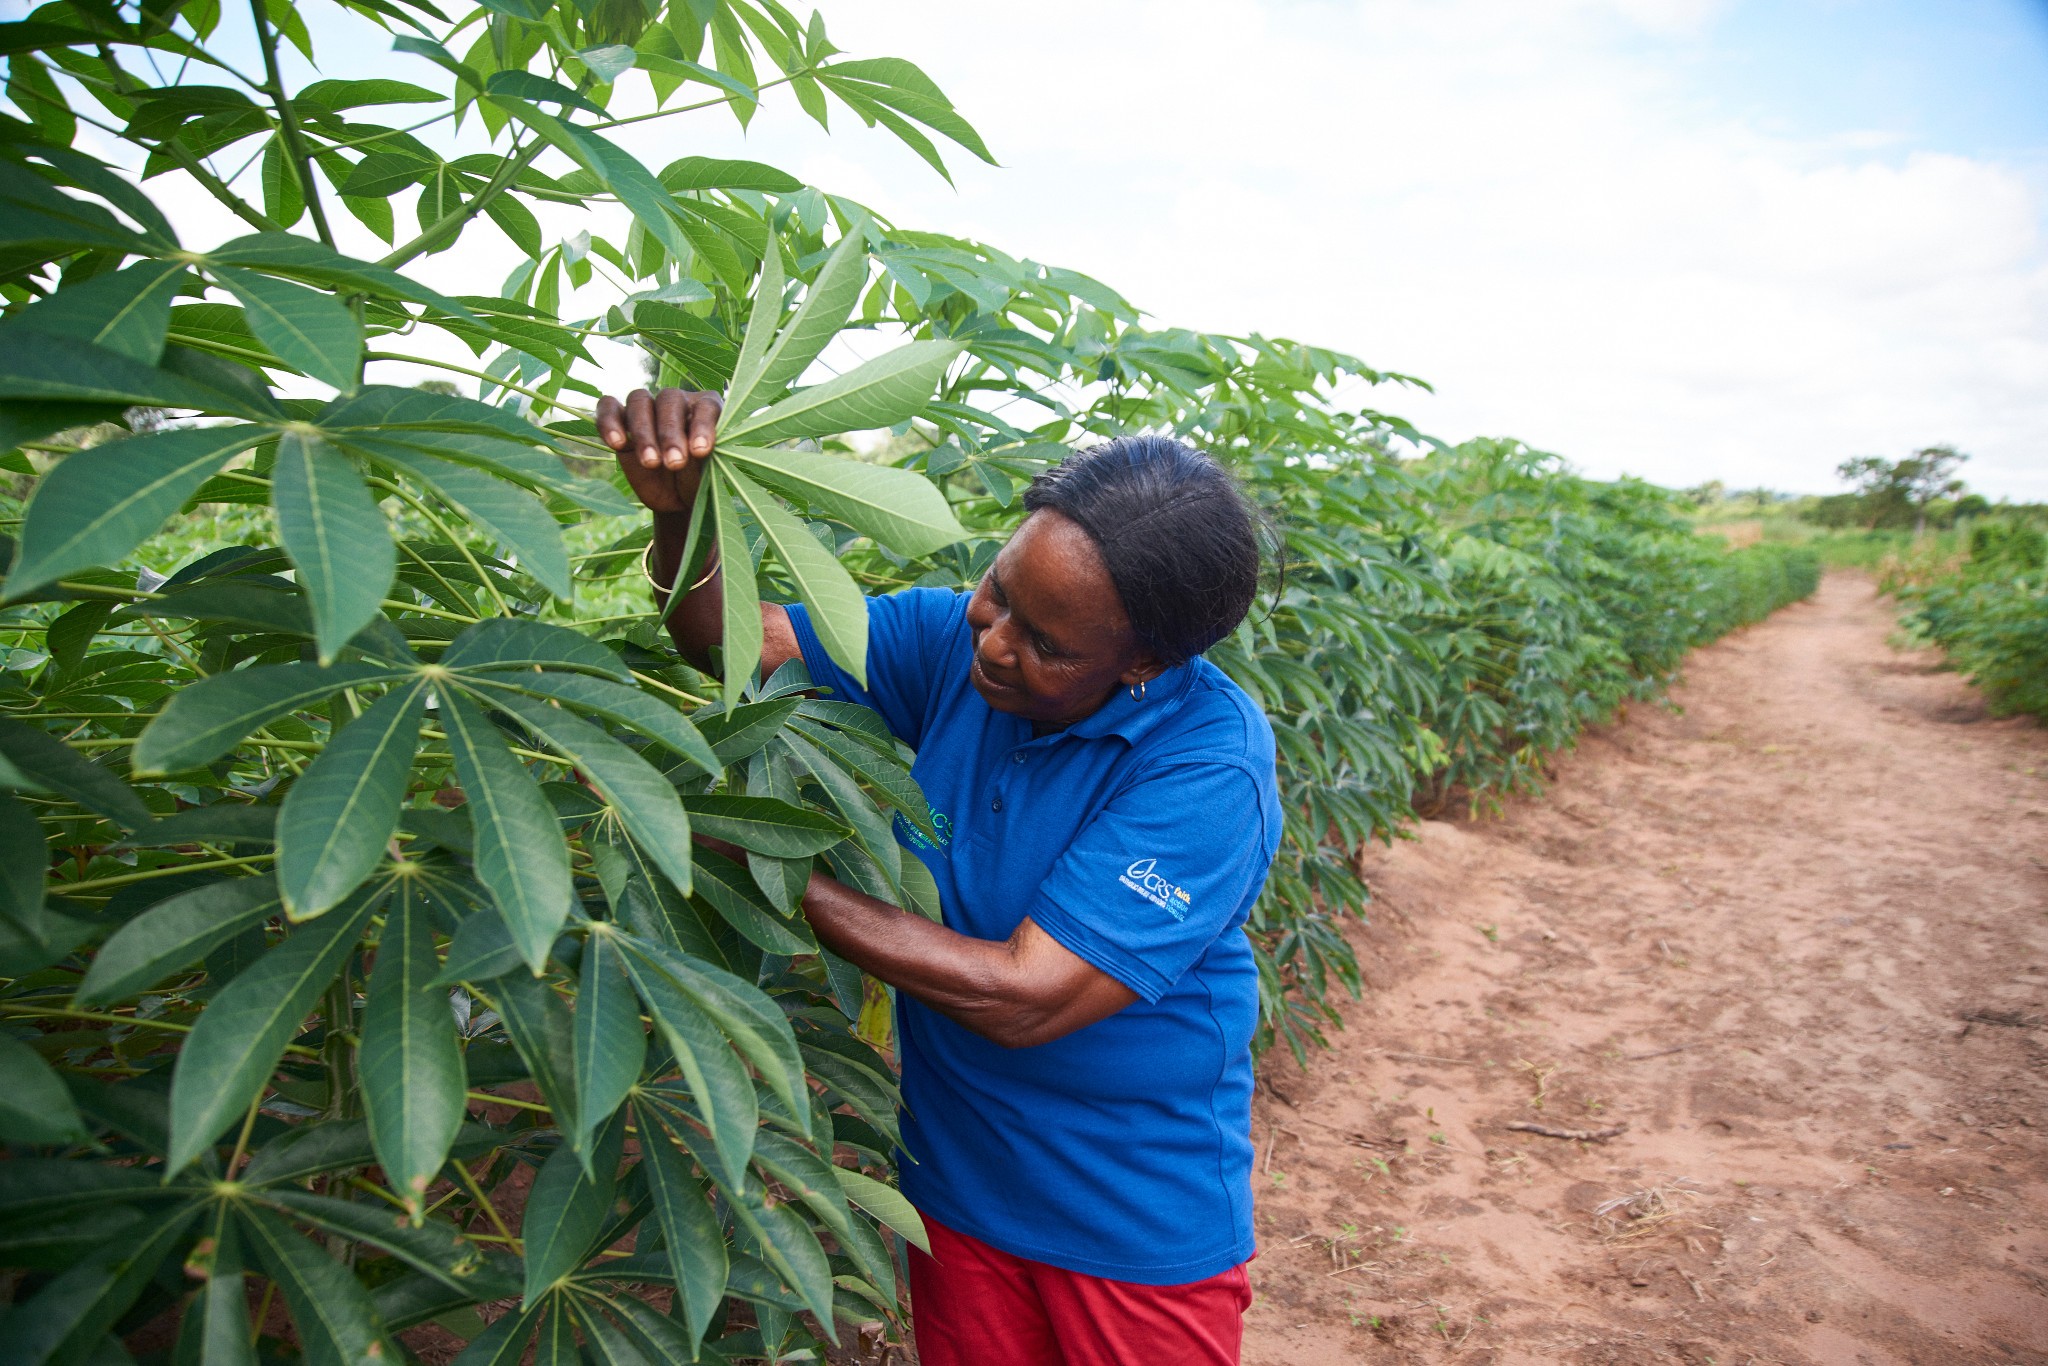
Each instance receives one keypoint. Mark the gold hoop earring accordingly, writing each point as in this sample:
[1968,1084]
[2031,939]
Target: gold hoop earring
[1138,693]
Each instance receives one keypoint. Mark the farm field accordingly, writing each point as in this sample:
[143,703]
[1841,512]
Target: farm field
[1793,938]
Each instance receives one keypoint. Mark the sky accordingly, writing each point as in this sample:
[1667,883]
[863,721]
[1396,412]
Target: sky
[1690,240]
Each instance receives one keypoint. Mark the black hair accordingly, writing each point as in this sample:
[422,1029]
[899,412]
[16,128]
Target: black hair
[1179,537]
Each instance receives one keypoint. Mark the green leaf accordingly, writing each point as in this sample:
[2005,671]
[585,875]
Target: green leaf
[650,716]
[222,1307]
[410,1060]
[902,510]
[312,262]
[689,1227]
[722,1092]
[67,1318]
[567,1208]
[24,863]
[388,411]
[98,504]
[284,200]
[263,604]
[307,330]
[788,1246]
[891,388]
[126,311]
[434,1247]
[336,536]
[174,934]
[742,731]
[520,856]
[204,720]
[435,53]
[504,1342]
[603,1343]
[50,1188]
[338,95]
[755,1024]
[340,815]
[760,334]
[509,512]
[617,169]
[839,610]
[764,825]
[337,1325]
[742,608]
[885,1203]
[225,822]
[732,893]
[711,173]
[34,1106]
[308,1149]
[824,312]
[525,85]
[480,951]
[609,62]
[231,1052]
[884,770]
[645,801]
[540,1028]
[54,766]
[502,643]
[870,825]
[610,1044]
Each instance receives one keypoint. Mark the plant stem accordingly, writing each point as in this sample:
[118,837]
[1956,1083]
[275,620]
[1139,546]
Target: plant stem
[701,104]
[262,1313]
[485,1098]
[95,884]
[242,1139]
[189,164]
[288,121]
[490,1210]
[490,586]
[651,681]
[487,378]
[497,185]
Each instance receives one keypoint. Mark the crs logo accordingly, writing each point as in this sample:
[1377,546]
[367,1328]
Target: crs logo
[1143,878]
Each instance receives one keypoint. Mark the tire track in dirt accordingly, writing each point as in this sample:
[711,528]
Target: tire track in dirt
[1795,938]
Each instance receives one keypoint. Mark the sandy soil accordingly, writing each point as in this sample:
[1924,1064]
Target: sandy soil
[1793,937]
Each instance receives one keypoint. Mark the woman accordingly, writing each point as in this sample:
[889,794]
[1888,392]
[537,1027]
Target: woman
[1075,1039]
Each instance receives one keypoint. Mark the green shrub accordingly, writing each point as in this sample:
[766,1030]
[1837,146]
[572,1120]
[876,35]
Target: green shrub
[351,905]
[1991,615]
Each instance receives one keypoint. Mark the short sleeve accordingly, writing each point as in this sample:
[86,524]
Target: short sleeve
[910,635]
[1172,862]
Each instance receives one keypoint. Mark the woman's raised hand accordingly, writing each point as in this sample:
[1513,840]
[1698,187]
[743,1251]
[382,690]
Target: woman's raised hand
[662,441]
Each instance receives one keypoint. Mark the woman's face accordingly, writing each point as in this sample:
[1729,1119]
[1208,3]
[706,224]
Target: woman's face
[1051,641]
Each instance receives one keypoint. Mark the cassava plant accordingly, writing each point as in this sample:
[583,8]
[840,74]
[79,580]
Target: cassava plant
[360,969]
[362,990]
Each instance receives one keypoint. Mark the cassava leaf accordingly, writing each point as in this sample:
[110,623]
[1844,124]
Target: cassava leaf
[228,1057]
[411,1063]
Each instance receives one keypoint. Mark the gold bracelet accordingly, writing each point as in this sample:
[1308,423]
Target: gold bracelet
[647,568]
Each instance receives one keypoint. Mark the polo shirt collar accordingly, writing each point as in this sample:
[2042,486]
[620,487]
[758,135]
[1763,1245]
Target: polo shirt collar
[1131,719]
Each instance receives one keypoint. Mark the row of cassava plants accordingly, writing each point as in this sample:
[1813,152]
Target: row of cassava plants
[1989,611]
[361,989]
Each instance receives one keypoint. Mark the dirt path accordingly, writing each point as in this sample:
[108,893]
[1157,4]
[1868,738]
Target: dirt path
[1796,940]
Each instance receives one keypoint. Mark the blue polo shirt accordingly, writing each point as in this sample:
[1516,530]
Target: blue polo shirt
[1138,838]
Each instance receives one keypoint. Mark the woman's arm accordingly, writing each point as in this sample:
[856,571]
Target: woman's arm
[1029,989]
[663,442]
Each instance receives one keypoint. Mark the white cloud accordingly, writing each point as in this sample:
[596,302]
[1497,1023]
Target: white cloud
[1525,203]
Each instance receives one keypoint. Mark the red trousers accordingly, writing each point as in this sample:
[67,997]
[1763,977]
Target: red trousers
[972,1305]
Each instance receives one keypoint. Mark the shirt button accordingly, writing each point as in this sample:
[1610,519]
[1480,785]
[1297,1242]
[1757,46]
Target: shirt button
[996,805]
[1018,757]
